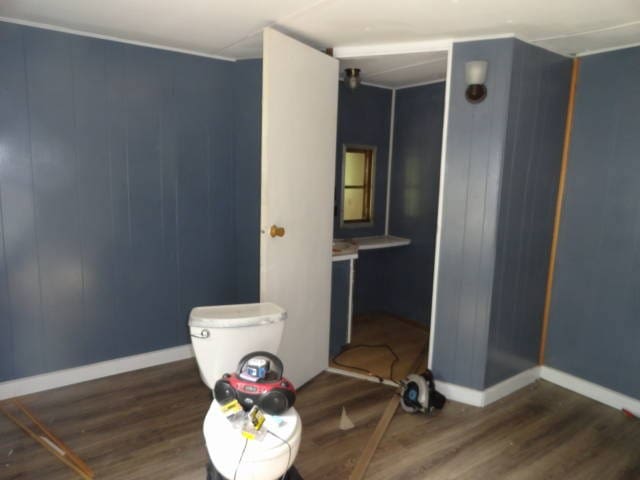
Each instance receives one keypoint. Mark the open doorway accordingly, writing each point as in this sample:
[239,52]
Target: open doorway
[389,150]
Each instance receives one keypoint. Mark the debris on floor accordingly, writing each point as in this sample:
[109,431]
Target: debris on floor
[345,421]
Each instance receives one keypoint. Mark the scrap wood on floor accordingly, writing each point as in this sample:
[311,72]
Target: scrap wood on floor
[33,427]
[383,346]
[361,466]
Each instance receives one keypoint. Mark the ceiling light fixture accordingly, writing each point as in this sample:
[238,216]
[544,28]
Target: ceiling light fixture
[352,78]
[475,74]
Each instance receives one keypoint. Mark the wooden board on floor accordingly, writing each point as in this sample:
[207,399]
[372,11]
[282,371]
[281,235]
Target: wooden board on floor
[370,448]
[405,337]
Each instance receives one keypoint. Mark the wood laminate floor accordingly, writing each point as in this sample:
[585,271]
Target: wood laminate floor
[408,339]
[147,425]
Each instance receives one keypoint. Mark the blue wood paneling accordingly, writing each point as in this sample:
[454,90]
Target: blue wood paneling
[121,337]
[50,90]
[593,325]
[532,158]
[473,165]
[117,197]
[372,281]
[413,213]
[247,91]
[364,117]
[93,196]
[22,330]
[6,324]
[339,306]
[503,159]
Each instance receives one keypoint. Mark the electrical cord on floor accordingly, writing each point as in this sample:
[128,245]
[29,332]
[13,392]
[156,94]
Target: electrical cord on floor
[367,371]
[240,460]
[288,445]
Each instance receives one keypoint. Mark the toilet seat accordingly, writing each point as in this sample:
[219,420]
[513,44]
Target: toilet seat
[266,459]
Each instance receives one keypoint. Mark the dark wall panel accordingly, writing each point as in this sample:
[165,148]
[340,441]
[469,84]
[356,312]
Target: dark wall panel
[118,337]
[116,197]
[55,177]
[413,212]
[339,306]
[6,346]
[475,144]
[95,211]
[364,117]
[533,154]
[22,326]
[247,91]
[593,326]
[372,281]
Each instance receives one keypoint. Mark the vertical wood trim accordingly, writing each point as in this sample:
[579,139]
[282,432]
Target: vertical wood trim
[392,121]
[556,224]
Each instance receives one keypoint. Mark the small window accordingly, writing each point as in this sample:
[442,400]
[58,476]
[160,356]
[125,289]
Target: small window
[357,184]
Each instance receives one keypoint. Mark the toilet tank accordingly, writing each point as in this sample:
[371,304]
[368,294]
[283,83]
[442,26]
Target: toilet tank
[221,335]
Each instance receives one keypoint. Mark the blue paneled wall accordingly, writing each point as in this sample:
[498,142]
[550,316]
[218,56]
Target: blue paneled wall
[117,194]
[364,117]
[414,198]
[247,95]
[399,280]
[531,167]
[501,174]
[594,325]
[475,144]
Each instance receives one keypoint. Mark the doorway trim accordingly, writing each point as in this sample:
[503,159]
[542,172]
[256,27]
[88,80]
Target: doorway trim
[443,167]
[438,45]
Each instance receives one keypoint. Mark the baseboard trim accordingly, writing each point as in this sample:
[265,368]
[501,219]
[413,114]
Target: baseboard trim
[482,398]
[458,393]
[61,378]
[591,390]
[510,385]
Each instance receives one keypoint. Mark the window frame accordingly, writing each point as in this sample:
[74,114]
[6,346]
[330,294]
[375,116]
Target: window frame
[348,147]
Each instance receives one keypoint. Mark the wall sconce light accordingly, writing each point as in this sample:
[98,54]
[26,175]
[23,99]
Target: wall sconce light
[475,74]
[352,78]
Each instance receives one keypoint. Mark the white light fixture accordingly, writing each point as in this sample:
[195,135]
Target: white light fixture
[475,74]
[352,78]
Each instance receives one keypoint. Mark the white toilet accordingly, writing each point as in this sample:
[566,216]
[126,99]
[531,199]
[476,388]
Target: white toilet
[221,336]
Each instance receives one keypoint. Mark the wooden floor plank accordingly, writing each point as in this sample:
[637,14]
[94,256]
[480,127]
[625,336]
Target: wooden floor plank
[405,337]
[148,425]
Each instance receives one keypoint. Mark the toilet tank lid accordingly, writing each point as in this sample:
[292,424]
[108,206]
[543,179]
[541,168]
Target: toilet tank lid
[243,315]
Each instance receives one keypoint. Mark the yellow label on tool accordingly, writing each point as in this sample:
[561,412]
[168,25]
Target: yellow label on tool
[232,407]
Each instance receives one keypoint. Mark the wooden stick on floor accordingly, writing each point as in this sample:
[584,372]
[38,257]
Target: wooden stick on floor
[383,424]
[47,443]
[56,440]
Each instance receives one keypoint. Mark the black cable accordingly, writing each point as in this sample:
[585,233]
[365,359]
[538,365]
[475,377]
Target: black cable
[369,372]
[240,460]
[288,445]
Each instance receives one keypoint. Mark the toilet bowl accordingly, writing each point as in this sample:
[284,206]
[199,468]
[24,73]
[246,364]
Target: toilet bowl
[221,336]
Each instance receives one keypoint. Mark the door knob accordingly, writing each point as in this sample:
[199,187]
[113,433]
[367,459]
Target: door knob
[276,231]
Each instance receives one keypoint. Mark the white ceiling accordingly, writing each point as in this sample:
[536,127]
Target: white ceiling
[400,70]
[231,28]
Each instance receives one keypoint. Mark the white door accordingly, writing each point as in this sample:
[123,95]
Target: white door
[299,118]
